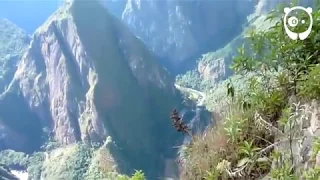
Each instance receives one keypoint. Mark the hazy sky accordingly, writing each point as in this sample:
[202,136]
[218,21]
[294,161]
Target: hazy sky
[28,14]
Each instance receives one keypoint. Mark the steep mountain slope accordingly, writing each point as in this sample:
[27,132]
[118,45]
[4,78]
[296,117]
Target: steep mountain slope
[180,30]
[13,41]
[86,77]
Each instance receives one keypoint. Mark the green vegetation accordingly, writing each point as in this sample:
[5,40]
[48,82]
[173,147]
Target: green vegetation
[79,161]
[13,42]
[20,160]
[13,39]
[82,161]
[261,123]
[190,79]
[12,158]
[67,163]
[226,52]
[214,90]
[309,85]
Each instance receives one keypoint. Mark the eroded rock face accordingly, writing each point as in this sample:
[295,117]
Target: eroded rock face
[305,118]
[179,30]
[86,77]
[215,66]
[213,72]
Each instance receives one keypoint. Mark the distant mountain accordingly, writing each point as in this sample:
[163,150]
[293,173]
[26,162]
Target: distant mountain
[179,31]
[28,14]
[13,42]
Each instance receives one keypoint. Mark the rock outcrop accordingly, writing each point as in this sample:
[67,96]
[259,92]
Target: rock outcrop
[304,134]
[214,67]
[84,76]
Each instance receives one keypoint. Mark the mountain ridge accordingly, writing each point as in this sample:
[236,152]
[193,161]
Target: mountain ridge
[181,30]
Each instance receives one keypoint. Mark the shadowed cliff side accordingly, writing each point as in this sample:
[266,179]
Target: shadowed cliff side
[5,173]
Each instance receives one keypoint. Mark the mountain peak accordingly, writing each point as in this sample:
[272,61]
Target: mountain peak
[84,77]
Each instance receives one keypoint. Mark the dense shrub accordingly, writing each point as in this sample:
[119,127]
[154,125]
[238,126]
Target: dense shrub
[190,80]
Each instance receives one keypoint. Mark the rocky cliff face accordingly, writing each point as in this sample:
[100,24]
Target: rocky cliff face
[85,77]
[304,133]
[178,31]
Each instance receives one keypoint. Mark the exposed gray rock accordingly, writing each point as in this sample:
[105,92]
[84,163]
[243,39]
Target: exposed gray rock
[214,72]
[305,130]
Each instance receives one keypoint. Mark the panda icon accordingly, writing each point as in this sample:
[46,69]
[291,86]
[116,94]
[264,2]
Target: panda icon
[293,21]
